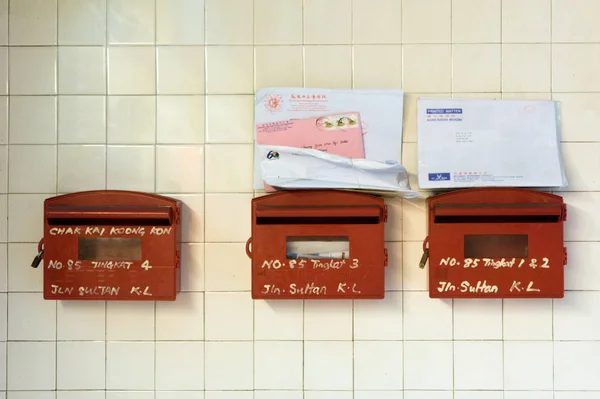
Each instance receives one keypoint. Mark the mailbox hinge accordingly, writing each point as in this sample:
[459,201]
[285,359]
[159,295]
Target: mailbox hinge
[177,259]
[564,212]
[565,256]
[177,215]
[385,213]
[385,257]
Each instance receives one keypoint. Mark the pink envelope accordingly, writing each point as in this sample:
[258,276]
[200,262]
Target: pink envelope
[339,134]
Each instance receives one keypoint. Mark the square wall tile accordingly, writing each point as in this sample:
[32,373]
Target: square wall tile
[236,373]
[179,365]
[474,371]
[80,320]
[577,317]
[4,265]
[378,320]
[527,319]
[131,22]
[229,119]
[130,365]
[526,21]
[26,176]
[130,168]
[81,70]
[4,169]
[582,218]
[3,70]
[130,321]
[413,279]
[81,168]
[32,70]
[229,22]
[131,120]
[180,69]
[277,22]
[180,119]
[485,28]
[278,365]
[580,161]
[192,217]
[227,267]
[230,69]
[82,119]
[575,365]
[422,76]
[24,279]
[278,66]
[227,218]
[81,22]
[33,22]
[78,394]
[4,120]
[220,176]
[435,357]
[574,67]
[477,319]
[40,323]
[4,314]
[320,28]
[526,67]
[387,13]
[421,25]
[414,215]
[328,320]
[378,365]
[127,394]
[328,365]
[278,320]
[476,68]
[238,325]
[182,320]
[386,73]
[425,319]
[180,169]
[131,70]
[27,129]
[578,115]
[80,365]
[528,365]
[575,24]
[279,394]
[180,21]
[393,273]
[192,267]
[581,274]
[25,359]
[3,22]
[328,66]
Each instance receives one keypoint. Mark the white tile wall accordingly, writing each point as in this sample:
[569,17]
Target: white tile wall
[156,95]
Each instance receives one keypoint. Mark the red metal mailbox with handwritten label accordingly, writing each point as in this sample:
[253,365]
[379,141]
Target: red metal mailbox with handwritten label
[321,244]
[496,243]
[110,245]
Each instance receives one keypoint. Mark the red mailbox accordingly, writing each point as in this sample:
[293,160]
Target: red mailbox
[496,243]
[317,244]
[110,245]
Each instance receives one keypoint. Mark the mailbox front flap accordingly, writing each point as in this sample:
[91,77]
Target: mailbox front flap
[284,222]
[111,244]
[496,242]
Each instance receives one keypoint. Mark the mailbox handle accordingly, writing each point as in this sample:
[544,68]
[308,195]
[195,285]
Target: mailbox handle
[109,212]
[248,247]
[320,211]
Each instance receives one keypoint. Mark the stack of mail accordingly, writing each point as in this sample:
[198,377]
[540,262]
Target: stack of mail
[489,143]
[320,138]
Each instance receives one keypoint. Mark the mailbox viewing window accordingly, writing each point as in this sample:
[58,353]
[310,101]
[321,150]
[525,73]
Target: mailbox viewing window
[111,245]
[496,243]
[317,244]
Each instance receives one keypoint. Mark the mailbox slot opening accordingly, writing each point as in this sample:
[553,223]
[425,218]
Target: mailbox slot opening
[109,216]
[318,247]
[110,248]
[272,215]
[496,246]
[495,213]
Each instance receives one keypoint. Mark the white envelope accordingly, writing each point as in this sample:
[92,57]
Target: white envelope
[380,113]
[488,143]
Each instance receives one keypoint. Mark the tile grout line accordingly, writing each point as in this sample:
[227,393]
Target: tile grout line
[155,8]
[106,112]
[205,77]
[8,93]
